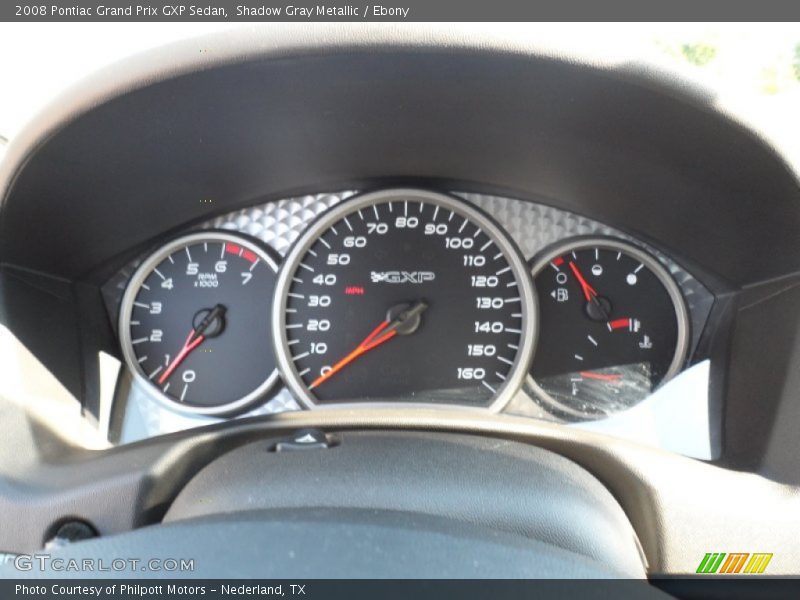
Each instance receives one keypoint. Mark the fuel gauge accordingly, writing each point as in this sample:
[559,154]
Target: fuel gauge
[613,327]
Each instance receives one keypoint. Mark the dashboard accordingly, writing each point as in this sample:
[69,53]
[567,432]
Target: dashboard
[475,276]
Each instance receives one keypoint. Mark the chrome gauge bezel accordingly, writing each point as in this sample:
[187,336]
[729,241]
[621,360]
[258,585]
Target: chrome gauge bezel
[652,263]
[519,266]
[126,310]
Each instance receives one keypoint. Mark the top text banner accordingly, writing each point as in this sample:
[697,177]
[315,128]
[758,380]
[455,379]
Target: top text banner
[402,10]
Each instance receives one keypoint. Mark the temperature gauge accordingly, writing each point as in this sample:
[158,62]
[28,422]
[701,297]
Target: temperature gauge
[613,326]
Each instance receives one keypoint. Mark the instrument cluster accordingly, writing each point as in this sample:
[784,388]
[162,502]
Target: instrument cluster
[404,297]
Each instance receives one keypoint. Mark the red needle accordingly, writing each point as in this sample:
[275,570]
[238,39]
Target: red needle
[620,324]
[601,376]
[189,345]
[370,342]
[588,291]
[196,337]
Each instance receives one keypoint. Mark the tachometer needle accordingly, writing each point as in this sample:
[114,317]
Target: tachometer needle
[194,339]
[382,333]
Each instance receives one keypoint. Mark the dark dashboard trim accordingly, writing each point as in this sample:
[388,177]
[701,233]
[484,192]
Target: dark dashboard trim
[664,516]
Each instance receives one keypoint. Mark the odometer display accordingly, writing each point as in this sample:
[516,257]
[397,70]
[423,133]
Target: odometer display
[195,323]
[404,296]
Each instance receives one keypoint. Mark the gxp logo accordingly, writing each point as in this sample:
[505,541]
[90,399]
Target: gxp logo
[402,276]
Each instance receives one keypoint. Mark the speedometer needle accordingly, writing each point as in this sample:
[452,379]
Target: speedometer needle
[404,323]
[194,339]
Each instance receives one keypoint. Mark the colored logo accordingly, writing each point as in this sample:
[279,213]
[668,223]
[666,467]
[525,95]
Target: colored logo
[721,563]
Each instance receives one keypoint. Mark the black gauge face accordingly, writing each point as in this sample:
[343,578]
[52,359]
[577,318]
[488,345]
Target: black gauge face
[196,323]
[404,296]
[613,327]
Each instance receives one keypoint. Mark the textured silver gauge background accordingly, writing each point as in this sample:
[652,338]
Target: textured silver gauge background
[533,226]
[661,273]
[126,309]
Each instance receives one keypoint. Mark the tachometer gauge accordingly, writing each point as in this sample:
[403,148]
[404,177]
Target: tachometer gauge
[613,326]
[195,323]
[404,296]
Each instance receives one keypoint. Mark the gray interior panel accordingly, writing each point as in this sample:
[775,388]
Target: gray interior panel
[504,486]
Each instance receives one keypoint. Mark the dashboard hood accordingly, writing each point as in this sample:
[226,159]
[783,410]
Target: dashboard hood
[434,103]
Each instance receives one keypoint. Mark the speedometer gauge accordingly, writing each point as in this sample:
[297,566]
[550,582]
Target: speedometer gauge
[404,296]
[195,323]
[613,327]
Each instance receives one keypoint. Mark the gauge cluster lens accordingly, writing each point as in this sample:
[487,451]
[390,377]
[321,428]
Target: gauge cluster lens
[195,323]
[613,326]
[404,296]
